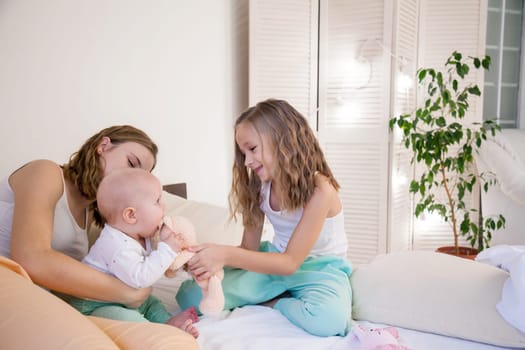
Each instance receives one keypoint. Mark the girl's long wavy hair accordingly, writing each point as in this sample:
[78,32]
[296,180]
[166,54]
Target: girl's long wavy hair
[85,169]
[296,151]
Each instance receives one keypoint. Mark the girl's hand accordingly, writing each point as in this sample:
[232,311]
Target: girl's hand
[208,259]
[136,297]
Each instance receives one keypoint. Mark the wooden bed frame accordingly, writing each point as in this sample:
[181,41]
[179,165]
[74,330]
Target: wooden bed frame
[178,189]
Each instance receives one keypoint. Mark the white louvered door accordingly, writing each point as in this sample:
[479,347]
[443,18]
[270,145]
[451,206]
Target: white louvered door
[283,53]
[404,67]
[354,103]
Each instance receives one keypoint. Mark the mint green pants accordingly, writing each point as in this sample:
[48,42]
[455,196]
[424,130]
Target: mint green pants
[320,297]
[151,310]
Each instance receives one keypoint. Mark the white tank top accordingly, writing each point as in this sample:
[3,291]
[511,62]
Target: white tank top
[332,238]
[68,237]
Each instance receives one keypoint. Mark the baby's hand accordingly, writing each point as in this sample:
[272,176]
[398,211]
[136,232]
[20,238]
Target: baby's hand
[176,242]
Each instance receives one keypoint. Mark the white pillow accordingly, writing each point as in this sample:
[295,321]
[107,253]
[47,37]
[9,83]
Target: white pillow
[211,222]
[434,292]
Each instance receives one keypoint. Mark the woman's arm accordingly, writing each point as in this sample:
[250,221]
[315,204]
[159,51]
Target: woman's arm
[38,187]
[324,202]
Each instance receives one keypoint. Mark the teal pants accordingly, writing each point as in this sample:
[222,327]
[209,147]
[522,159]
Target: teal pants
[320,297]
[151,310]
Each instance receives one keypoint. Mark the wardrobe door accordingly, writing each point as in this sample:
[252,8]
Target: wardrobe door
[283,53]
[404,67]
[354,107]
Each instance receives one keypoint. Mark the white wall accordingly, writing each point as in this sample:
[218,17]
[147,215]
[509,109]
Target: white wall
[69,68]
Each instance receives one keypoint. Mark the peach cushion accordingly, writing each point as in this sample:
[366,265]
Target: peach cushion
[33,318]
[140,336]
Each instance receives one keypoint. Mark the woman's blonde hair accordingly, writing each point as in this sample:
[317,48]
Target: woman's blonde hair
[85,170]
[296,151]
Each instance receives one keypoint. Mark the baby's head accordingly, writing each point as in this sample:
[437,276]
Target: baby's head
[129,199]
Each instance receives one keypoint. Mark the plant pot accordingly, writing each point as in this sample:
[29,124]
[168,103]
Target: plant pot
[464,252]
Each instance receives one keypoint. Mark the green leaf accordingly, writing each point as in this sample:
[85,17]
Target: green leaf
[422,74]
[486,62]
[414,186]
[392,123]
[446,97]
[474,90]
[419,209]
[464,227]
[478,142]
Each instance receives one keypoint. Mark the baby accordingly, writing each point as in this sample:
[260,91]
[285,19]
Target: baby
[130,202]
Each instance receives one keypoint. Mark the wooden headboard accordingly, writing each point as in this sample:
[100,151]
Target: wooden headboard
[178,189]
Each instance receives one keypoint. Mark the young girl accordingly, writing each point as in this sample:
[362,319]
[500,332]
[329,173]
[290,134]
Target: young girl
[280,171]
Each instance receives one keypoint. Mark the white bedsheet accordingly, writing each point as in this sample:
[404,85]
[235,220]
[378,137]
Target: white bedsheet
[262,328]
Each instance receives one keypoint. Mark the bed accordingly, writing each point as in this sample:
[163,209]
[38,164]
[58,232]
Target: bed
[435,301]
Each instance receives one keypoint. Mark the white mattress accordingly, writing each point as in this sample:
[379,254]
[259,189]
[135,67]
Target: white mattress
[259,327]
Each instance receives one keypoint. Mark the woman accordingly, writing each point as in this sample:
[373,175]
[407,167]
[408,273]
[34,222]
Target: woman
[45,209]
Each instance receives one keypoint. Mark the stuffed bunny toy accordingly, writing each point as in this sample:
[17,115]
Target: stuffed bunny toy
[212,295]
[377,338]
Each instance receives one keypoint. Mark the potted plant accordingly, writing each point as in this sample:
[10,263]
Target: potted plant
[443,145]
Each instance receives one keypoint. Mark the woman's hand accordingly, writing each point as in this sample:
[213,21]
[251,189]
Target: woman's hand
[208,259]
[136,297]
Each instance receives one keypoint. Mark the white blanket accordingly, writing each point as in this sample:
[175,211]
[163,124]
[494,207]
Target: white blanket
[511,259]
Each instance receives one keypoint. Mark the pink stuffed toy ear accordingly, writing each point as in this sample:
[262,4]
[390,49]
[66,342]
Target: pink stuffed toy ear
[212,294]
[377,338]
[180,225]
[183,226]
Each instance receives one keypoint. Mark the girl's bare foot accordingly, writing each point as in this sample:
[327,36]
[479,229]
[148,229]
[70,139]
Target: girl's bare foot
[185,320]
